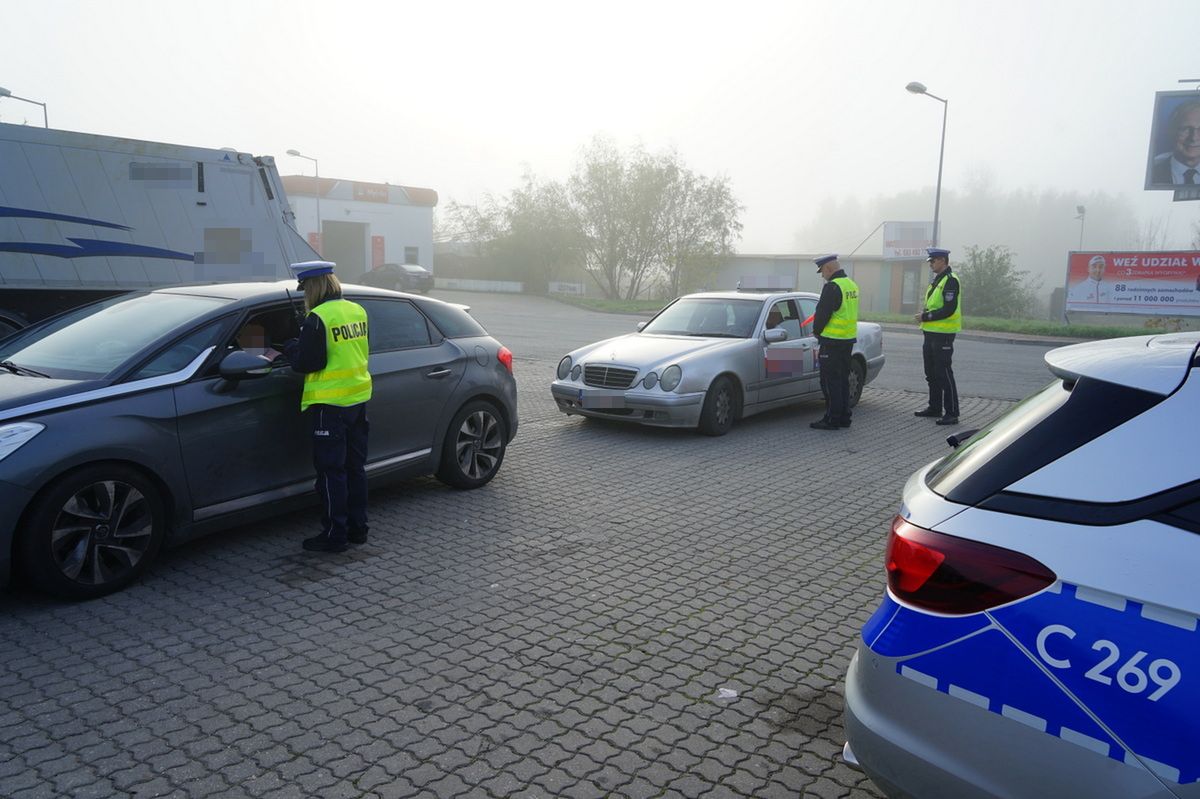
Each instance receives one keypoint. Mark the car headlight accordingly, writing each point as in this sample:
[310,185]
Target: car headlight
[576,370]
[671,377]
[650,380]
[13,436]
[564,367]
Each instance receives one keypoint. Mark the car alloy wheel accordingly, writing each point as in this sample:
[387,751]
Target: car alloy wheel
[474,446]
[720,408]
[93,532]
[858,378]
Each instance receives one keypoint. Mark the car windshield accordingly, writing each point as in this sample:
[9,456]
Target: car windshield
[414,270]
[91,342]
[707,317]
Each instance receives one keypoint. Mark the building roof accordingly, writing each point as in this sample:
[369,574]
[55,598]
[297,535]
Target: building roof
[361,191]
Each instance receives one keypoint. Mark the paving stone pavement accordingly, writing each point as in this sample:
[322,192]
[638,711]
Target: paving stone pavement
[563,631]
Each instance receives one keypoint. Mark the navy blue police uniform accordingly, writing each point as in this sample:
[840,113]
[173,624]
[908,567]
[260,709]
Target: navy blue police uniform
[941,319]
[337,385]
[835,325]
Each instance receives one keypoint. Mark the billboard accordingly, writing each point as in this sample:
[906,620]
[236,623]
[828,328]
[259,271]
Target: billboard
[1174,159]
[1154,283]
[906,240]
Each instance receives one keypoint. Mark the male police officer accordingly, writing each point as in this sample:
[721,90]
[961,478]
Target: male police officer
[940,320]
[332,354]
[835,324]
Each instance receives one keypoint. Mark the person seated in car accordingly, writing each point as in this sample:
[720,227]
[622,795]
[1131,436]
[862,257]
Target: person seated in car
[252,338]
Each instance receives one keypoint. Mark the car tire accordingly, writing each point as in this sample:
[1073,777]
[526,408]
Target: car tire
[474,447]
[858,378]
[92,532]
[720,407]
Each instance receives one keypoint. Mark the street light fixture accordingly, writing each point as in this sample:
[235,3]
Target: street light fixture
[919,88]
[317,170]
[1082,213]
[6,93]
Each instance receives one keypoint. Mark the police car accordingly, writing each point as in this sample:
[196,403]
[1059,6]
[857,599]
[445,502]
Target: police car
[1039,632]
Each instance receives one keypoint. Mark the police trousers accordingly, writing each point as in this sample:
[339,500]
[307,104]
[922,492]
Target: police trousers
[339,438]
[835,378]
[938,353]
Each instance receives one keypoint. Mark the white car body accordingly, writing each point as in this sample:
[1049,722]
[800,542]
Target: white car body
[1086,683]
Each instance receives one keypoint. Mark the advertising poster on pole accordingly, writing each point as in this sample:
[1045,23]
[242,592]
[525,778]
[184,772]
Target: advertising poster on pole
[1174,159]
[1147,283]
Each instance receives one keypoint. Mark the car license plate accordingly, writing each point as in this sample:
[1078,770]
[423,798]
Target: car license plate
[601,399]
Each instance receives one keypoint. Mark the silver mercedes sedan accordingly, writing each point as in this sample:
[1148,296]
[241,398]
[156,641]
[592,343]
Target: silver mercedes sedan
[707,360]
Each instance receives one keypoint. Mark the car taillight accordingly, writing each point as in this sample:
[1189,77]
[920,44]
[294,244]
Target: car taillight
[504,356]
[956,576]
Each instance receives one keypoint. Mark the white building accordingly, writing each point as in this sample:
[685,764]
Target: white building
[363,225]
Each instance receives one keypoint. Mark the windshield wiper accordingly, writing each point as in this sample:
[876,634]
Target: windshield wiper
[21,370]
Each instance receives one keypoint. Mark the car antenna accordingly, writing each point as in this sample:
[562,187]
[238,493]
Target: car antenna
[295,310]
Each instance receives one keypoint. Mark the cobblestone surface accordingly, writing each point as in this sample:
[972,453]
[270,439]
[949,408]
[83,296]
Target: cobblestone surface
[564,631]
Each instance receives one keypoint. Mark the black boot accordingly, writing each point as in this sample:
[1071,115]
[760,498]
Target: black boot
[323,543]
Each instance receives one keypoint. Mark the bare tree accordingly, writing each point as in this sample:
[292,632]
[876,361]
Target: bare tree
[474,225]
[649,218]
[701,221]
[1151,234]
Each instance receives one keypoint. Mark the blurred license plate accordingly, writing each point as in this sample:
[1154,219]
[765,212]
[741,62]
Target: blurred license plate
[601,399]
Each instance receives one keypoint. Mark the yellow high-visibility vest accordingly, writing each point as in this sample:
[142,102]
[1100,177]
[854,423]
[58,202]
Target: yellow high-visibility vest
[843,324]
[934,301]
[345,380]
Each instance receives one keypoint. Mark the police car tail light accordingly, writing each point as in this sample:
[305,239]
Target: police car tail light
[952,575]
[504,356]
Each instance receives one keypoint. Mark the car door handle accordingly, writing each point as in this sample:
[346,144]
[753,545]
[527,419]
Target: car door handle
[438,373]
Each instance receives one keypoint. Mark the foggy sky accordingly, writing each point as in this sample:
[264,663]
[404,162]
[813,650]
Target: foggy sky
[798,103]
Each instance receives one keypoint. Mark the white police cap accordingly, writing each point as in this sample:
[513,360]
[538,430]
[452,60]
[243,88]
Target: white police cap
[308,269]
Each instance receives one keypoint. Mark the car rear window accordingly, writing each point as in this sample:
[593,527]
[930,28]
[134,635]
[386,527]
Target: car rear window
[453,322]
[1061,417]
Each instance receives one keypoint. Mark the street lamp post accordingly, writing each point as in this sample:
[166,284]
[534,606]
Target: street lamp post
[1082,213]
[6,93]
[919,88]
[317,170]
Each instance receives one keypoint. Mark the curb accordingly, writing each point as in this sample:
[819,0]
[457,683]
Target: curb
[984,335]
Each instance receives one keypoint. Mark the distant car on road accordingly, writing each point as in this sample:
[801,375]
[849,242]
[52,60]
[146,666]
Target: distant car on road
[1040,632]
[707,360]
[400,277]
[151,418]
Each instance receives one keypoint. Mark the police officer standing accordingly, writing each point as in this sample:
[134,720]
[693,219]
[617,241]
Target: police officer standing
[332,354]
[835,324]
[940,320]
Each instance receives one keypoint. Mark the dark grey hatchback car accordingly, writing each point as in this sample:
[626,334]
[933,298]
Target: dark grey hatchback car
[152,418]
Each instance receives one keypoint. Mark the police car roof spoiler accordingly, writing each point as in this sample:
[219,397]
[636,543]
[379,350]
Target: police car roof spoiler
[1157,364]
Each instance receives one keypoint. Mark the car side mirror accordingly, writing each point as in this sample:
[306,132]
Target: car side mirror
[240,365]
[640,325]
[775,335]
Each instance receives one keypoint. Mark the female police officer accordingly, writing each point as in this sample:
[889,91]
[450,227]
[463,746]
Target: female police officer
[331,353]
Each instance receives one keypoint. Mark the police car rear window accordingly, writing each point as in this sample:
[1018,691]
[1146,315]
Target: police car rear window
[1042,428]
[453,322]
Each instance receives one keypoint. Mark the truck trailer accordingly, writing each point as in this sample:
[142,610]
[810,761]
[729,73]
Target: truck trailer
[85,216]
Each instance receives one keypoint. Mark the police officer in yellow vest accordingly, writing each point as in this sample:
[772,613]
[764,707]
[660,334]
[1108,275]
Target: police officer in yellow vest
[835,324]
[940,320]
[332,353]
